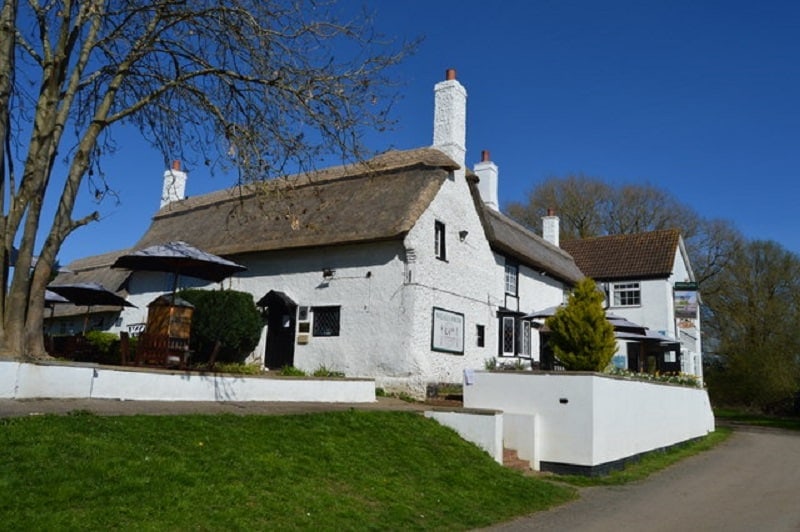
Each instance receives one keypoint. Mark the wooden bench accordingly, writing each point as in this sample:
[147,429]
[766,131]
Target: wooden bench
[161,350]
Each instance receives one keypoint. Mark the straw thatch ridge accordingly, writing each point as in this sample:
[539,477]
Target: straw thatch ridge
[513,240]
[379,199]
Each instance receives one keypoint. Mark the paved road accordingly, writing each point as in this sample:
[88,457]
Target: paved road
[751,482]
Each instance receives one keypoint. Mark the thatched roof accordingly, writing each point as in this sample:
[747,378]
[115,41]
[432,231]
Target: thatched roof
[513,240]
[379,199]
[648,255]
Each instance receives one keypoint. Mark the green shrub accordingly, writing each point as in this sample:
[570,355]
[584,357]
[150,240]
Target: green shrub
[227,316]
[291,371]
[323,371]
[105,346]
[236,368]
[581,336]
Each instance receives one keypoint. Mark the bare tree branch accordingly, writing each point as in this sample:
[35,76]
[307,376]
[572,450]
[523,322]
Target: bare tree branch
[257,85]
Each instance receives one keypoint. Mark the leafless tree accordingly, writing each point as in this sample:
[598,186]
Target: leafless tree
[258,85]
[591,207]
[581,202]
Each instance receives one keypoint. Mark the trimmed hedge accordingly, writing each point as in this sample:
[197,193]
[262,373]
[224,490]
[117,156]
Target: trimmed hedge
[225,315]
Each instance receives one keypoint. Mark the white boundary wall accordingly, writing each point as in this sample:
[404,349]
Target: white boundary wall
[588,419]
[484,429]
[76,381]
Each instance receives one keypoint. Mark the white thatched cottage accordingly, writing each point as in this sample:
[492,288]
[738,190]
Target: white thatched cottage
[400,268]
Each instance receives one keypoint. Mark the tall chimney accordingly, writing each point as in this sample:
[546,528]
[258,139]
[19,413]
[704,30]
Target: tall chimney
[550,227]
[174,187]
[450,118]
[486,171]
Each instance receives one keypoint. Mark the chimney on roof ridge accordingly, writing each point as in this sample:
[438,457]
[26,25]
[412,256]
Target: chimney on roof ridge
[487,173]
[174,184]
[550,227]
[450,118]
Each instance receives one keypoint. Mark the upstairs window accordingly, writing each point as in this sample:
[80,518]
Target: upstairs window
[326,321]
[627,295]
[439,240]
[511,278]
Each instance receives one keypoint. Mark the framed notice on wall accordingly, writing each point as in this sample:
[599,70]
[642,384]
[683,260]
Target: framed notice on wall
[448,331]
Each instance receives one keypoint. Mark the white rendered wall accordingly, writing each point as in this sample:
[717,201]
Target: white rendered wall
[483,429]
[657,313]
[463,283]
[85,381]
[589,419]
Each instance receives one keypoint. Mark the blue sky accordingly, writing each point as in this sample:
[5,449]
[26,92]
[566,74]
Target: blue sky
[699,98]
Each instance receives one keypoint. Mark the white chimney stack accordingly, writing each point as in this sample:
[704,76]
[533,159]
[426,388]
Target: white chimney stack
[450,118]
[174,188]
[486,171]
[550,227]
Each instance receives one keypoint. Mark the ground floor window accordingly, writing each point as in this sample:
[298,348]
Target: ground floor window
[515,336]
[326,320]
[509,335]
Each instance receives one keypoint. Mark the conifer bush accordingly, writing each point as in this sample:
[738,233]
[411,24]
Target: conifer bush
[227,316]
[580,335]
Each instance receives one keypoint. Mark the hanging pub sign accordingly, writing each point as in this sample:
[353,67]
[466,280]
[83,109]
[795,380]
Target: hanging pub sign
[685,300]
[448,331]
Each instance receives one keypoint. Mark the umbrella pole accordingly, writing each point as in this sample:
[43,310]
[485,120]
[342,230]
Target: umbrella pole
[174,286]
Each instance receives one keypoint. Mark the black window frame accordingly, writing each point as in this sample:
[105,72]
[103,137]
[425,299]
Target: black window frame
[320,327]
[480,335]
[440,240]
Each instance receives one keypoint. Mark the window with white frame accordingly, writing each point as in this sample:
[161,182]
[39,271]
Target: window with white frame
[439,240]
[511,277]
[627,295]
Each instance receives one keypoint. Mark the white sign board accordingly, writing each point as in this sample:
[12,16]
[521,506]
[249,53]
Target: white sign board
[448,331]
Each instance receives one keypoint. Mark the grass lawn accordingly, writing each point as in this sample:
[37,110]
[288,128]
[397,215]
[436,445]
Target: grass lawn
[761,420]
[333,471]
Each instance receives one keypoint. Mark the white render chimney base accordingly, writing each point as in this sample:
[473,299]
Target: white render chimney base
[487,173]
[450,118]
[174,188]
[550,227]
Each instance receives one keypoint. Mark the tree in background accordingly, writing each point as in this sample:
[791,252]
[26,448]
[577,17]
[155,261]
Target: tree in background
[262,86]
[580,335]
[754,312]
[590,207]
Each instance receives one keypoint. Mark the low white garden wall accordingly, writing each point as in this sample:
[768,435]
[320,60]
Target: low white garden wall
[88,381]
[484,428]
[588,419]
